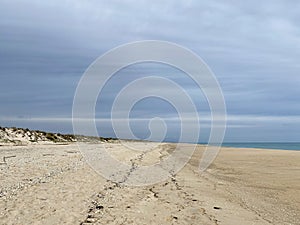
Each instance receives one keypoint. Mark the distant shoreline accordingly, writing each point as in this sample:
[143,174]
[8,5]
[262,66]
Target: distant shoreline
[286,146]
[15,135]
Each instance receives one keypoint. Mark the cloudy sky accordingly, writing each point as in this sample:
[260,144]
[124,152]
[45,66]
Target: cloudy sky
[253,48]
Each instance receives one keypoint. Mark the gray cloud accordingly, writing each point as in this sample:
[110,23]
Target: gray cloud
[253,48]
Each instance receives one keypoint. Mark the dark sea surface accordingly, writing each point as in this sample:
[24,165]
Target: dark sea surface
[266,145]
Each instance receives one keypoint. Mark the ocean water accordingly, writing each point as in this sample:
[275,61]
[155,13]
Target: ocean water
[266,145]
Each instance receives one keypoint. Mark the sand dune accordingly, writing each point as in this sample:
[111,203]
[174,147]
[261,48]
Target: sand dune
[12,136]
[52,184]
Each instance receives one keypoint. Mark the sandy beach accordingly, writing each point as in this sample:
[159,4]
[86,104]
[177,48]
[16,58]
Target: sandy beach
[52,184]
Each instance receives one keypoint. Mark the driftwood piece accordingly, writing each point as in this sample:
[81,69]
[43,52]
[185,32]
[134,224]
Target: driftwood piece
[48,154]
[7,157]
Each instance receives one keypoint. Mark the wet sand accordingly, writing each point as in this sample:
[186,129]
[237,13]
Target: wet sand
[52,184]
